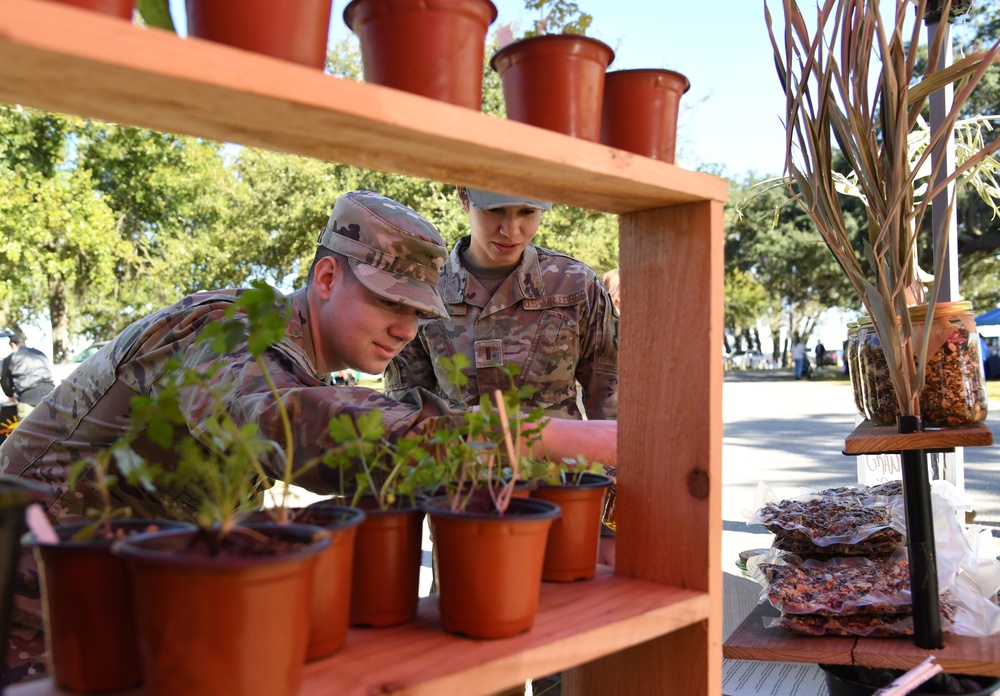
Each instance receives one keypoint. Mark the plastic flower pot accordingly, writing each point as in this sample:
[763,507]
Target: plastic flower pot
[571,551]
[89,629]
[433,48]
[226,625]
[293,30]
[555,81]
[385,585]
[330,603]
[640,111]
[489,567]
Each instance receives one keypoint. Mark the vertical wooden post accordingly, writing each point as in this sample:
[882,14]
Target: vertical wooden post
[669,510]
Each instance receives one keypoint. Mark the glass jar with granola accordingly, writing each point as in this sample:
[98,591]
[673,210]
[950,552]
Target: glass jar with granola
[880,402]
[853,369]
[954,391]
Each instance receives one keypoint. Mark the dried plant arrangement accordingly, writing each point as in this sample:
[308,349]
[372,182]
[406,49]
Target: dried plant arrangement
[853,84]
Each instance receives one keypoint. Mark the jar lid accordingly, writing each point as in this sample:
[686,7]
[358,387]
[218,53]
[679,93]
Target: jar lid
[941,310]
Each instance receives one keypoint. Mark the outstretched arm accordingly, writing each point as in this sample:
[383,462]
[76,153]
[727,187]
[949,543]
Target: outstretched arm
[596,440]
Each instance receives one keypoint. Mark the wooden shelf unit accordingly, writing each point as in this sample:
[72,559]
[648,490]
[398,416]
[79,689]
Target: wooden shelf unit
[655,625]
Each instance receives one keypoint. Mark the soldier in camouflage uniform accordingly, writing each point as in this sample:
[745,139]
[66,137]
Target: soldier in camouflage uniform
[512,303]
[374,274]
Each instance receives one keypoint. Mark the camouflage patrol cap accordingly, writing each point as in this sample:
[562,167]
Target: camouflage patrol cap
[393,251]
[487,200]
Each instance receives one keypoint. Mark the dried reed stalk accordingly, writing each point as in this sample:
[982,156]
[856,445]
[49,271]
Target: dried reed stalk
[829,103]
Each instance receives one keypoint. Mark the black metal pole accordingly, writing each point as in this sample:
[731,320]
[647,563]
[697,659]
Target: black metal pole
[920,542]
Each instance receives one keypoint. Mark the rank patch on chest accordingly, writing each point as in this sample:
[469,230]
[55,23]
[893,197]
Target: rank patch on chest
[489,353]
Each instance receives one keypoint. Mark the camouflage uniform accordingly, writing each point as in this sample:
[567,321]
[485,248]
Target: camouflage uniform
[551,317]
[91,409]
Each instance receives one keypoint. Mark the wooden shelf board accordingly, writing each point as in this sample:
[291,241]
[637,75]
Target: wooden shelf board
[869,438]
[960,655]
[60,58]
[576,623]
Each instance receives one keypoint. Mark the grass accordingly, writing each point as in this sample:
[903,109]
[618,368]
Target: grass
[375,384]
[993,393]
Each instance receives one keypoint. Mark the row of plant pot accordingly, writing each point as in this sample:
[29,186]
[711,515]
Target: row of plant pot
[435,48]
[184,610]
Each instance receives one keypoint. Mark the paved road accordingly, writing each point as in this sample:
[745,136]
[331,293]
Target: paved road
[790,434]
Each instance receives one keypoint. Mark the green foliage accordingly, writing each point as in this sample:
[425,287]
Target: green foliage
[385,471]
[482,455]
[155,13]
[563,473]
[217,460]
[558,17]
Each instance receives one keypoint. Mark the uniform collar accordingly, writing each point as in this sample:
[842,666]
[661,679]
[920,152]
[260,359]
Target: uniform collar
[526,281]
[298,343]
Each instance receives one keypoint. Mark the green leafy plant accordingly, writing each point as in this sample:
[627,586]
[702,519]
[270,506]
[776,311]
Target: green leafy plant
[562,473]
[217,460]
[385,471]
[828,79]
[481,456]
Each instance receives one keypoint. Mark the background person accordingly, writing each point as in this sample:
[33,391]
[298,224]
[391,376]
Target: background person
[25,375]
[798,355]
[612,281]
[511,303]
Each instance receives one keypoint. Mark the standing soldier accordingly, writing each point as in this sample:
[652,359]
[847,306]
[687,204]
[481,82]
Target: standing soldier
[511,303]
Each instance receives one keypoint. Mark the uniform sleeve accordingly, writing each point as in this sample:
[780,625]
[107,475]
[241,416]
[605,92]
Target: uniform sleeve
[311,405]
[597,369]
[411,368]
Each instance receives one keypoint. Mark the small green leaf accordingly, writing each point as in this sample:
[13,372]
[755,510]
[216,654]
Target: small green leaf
[156,13]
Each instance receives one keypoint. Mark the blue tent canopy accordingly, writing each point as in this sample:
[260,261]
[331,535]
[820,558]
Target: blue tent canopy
[989,318]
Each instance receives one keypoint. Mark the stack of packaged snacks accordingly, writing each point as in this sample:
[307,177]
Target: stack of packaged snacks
[837,522]
[839,567]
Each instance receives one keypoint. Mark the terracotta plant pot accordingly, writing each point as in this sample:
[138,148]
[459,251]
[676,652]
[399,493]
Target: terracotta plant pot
[640,111]
[294,30]
[15,495]
[571,552]
[224,625]
[115,8]
[433,48]
[330,602]
[555,81]
[385,589]
[330,606]
[89,629]
[489,568]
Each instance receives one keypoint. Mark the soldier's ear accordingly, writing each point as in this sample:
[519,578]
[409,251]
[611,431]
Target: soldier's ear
[463,198]
[325,276]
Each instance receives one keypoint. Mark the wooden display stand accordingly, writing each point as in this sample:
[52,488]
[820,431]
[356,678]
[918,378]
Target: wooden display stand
[655,626]
[960,654]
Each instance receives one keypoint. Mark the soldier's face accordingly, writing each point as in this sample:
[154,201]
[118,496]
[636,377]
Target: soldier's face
[500,235]
[356,328]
